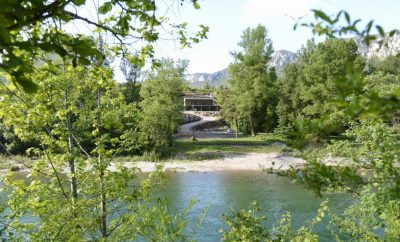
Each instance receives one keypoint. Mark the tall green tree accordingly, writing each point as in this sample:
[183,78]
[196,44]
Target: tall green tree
[228,109]
[309,87]
[161,107]
[249,77]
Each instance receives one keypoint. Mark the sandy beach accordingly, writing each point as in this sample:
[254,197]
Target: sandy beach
[250,161]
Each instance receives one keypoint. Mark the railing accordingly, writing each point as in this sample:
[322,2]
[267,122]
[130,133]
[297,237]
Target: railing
[202,108]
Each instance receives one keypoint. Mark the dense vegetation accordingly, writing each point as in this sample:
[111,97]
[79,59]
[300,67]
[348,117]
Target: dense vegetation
[345,107]
[61,105]
[310,96]
[251,82]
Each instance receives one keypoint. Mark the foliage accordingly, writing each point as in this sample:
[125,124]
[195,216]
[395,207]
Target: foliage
[341,24]
[330,91]
[368,149]
[29,28]
[248,225]
[161,106]
[79,120]
[245,226]
[131,71]
[11,144]
[228,108]
[370,219]
[251,81]
[310,91]
[70,193]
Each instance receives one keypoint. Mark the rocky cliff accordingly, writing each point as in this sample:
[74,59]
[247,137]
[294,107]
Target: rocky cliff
[391,46]
[212,79]
[280,59]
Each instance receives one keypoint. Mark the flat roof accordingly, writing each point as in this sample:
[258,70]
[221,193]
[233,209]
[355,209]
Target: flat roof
[202,98]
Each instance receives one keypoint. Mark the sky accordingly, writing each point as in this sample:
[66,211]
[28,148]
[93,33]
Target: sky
[228,18]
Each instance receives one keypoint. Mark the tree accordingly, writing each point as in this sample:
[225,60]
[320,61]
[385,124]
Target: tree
[309,89]
[161,107]
[369,144]
[75,122]
[249,79]
[131,71]
[72,193]
[289,105]
[367,151]
[228,111]
[28,28]
[133,76]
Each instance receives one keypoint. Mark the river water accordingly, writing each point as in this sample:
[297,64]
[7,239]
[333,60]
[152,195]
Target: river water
[224,192]
[228,191]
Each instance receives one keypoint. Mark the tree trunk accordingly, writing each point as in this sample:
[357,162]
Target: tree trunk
[252,126]
[103,198]
[103,205]
[237,128]
[71,158]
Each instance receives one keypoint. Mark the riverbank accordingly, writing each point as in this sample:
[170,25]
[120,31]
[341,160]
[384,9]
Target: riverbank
[224,161]
[229,162]
[263,152]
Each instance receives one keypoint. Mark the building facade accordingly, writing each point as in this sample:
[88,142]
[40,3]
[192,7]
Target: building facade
[200,103]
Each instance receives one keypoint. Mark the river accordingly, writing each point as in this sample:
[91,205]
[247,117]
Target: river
[228,191]
[225,192]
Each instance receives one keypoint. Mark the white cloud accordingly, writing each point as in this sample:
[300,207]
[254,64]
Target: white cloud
[269,8]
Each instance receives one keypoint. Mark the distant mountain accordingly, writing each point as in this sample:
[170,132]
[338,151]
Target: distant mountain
[282,58]
[392,47]
[214,79]
[279,60]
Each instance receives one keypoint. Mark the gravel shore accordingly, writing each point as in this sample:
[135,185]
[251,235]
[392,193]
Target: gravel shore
[230,162]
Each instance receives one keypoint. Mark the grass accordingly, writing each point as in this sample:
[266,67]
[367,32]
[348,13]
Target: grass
[214,148]
[204,149]
[15,162]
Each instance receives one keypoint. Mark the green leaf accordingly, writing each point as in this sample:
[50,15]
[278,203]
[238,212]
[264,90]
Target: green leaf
[26,84]
[347,17]
[79,2]
[391,33]
[356,22]
[196,5]
[380,30]
[84,61]
[369,26]
[105,8]
[321,15]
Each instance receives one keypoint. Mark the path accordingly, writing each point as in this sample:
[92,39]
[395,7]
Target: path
[187,130]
